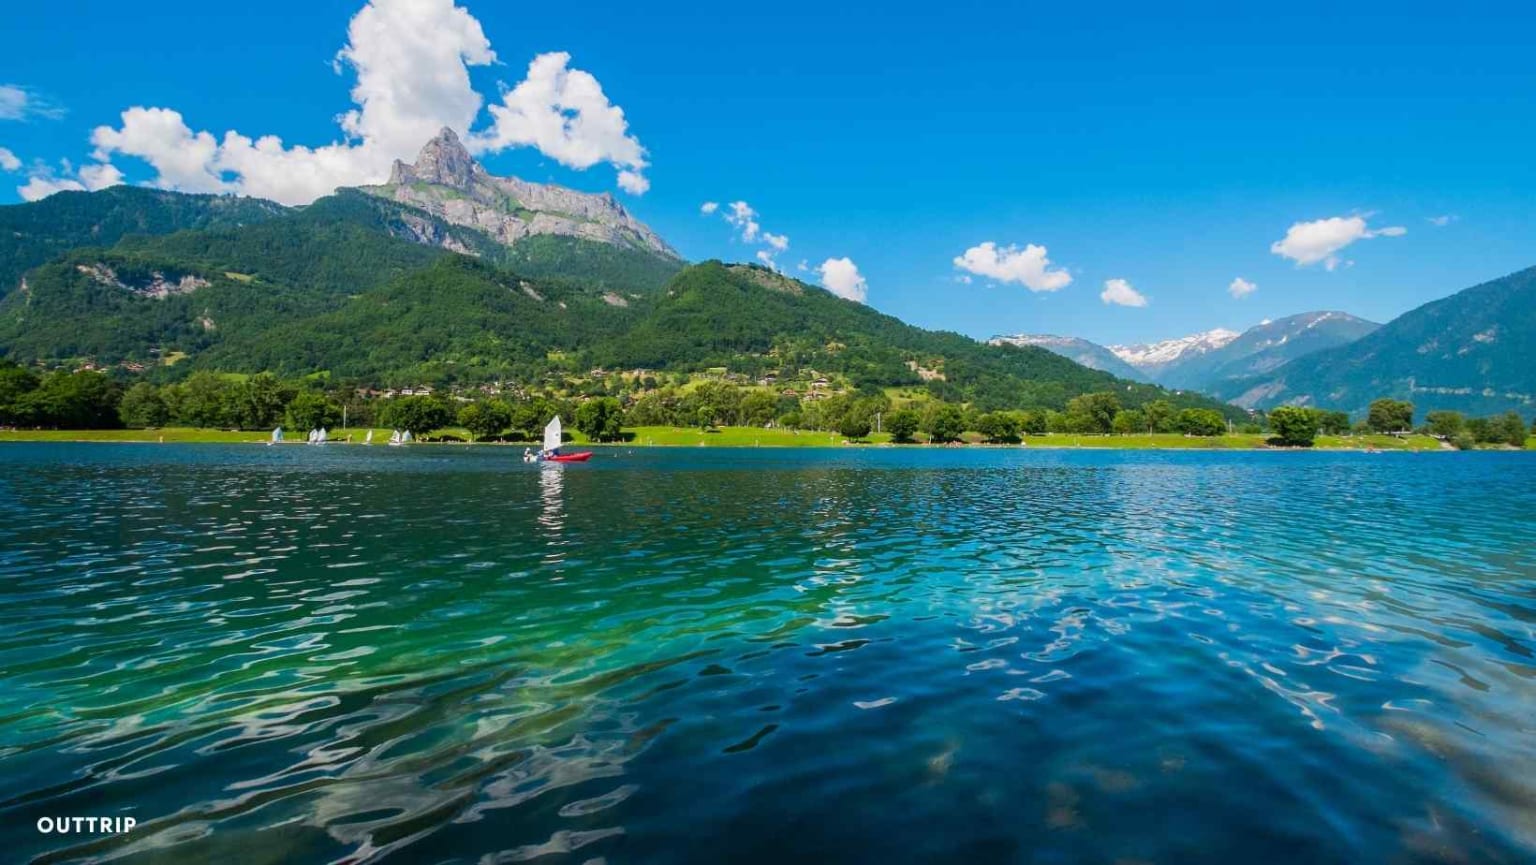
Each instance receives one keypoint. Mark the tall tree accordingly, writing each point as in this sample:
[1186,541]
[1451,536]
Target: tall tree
[1295,426]
[143,407]
[600,419]
[1390,416]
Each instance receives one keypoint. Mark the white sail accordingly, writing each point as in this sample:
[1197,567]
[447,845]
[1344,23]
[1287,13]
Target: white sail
[405,437]
[368,439]
[552,434]
[314,436]
[277,435]
[323,437]
[394,437]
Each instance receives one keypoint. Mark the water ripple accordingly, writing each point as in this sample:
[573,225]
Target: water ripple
[441,654]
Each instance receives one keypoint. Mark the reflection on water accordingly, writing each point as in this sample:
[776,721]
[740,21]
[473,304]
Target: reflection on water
[274,655]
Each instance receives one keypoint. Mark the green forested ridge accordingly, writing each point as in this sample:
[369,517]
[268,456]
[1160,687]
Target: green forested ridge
[33,233]
[733,316]
[586,262]
[457,320]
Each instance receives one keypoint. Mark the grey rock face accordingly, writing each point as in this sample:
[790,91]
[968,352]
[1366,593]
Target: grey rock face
[448,183]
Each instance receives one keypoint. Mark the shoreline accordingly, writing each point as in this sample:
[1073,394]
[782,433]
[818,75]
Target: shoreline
[748,437]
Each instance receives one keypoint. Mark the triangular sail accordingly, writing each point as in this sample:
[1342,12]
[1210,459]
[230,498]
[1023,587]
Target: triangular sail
[552,434]
[323,437]
[368,439]
[277,434]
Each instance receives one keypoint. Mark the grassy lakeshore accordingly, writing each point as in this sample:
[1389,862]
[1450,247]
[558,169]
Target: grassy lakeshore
[653,436]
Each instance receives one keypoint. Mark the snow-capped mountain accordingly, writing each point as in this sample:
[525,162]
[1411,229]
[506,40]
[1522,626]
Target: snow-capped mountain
[1153,358]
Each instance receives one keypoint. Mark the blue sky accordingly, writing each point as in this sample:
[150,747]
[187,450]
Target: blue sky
[1168,148]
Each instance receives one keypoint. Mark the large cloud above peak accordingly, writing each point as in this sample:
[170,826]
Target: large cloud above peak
[565,114]
[412,60]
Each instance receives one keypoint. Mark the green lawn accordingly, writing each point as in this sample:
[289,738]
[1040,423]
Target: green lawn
[755,437]
[735,436]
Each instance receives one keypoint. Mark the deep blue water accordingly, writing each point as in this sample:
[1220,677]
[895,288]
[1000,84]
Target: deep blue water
[440,654]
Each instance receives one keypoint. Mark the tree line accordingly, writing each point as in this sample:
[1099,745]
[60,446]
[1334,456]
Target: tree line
[94,400]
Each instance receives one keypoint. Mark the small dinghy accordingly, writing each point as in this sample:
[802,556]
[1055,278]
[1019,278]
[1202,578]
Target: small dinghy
[553,438]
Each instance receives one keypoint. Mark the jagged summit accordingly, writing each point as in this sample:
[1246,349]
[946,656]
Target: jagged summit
[444,160]
[447,182]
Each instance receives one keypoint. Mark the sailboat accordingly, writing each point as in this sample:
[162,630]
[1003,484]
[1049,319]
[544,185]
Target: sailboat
[405,437]
[314,436]
[394,439]
[553,438]
[322,436]
[277,437]
[368,439]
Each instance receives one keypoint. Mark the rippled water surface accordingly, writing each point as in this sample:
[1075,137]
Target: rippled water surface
[443,655]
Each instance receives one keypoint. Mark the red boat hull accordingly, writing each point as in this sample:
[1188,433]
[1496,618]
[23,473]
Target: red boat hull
[570,458]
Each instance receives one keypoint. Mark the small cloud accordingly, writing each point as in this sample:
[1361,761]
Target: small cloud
[964,279]
[1120,293]
[43,181]
[1320,240]
[23,103]
[8,160]
[1442,221]
[744,218]
[633,182]
[803,266]
[1028,266]
[841,277]
[1241,288]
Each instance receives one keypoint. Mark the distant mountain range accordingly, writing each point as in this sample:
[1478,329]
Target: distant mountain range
[1201,361]
[1089,354]
[448,275]
[1474,351]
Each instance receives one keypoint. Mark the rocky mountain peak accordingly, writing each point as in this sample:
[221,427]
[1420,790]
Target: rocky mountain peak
[448,184]
[444,161]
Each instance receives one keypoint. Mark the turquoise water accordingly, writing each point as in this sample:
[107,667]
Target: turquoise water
[444,655]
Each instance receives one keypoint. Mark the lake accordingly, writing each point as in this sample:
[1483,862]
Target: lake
[440,654]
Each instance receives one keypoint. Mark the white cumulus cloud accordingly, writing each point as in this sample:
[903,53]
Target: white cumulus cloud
[565,114]
[8,160]
[841,277]
[1028,266]
[1241,288]
[1120,293]
[709,207]
[411,59]
[1321,240]
[1442,221]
